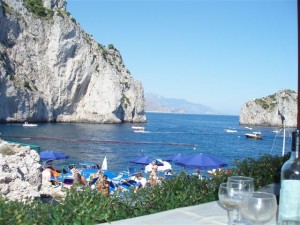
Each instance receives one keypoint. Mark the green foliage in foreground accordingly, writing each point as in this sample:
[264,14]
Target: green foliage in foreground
[265,170]
[90,207]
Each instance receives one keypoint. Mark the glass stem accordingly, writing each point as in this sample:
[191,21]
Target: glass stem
[238,215]
[229,215]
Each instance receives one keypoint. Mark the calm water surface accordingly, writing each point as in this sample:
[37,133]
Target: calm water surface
[166,134]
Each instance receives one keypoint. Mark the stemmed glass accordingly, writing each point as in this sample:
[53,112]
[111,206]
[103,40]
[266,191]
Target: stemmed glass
[229,199]
[259,207]
[245,186]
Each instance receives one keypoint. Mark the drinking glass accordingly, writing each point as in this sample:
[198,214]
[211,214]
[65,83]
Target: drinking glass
[229,200]
[259,207]
[245,186]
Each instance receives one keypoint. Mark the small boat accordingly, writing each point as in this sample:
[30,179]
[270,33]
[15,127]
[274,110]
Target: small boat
[26,124]
[254,135]
[138,127]
[230,130]
[248,128]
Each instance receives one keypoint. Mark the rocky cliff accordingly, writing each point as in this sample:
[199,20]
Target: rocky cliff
[274,110]
[51,70]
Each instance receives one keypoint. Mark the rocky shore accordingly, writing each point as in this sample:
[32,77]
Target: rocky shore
[20,173]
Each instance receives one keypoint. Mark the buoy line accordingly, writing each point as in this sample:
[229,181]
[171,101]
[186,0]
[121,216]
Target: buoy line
[100,141]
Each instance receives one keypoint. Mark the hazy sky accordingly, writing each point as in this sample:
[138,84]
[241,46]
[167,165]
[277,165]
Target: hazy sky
[219,53]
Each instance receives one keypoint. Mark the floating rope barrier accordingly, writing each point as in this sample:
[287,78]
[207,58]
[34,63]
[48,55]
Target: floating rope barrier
[100,141]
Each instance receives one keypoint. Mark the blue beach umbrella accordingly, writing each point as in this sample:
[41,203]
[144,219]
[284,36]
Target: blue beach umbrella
[172,158]
[200,161]
[145,160]
[50,155]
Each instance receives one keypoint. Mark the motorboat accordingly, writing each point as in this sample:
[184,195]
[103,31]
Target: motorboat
[230,130]
[248,128]
[26,124]
[254,135]
[138,127]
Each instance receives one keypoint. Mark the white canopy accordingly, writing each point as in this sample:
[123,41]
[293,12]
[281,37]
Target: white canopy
[166,166]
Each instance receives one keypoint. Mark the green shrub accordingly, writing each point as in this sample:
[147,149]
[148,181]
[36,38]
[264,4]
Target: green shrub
[111,46]
[265,170]
[7,150]
[27,85]
[37,7]
[90,207]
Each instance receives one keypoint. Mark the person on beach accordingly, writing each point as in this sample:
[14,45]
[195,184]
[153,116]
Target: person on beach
[78,179]
[141,182]
[153,174]
[103,186]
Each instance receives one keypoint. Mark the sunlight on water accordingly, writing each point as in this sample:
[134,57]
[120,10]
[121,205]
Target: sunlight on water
[166,134]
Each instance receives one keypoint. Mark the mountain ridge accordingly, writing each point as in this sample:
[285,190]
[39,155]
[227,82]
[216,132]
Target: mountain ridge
[158,103]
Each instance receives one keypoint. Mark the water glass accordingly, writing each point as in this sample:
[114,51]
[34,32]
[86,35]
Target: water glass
[245,186]
[259,207]
[229,200]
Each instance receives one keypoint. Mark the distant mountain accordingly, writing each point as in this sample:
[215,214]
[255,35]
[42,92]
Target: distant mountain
[157,103]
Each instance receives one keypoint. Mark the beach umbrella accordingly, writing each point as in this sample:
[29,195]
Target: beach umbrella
[172,158]
[104,164]
[200,161]
[144,160]
[50,155]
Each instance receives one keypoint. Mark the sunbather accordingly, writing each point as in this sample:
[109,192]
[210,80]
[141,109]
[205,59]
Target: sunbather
[141,182]
[103,186]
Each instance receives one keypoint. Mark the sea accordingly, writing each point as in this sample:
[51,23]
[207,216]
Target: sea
[164,135]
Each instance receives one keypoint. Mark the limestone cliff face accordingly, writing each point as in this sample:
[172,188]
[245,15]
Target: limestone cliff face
[51,70]
[267,111]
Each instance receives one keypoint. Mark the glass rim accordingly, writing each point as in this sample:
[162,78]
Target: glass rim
[261,194]
[240,178]
[225,185]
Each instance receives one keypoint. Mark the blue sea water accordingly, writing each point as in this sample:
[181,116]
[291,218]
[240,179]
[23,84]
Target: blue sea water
[166,134]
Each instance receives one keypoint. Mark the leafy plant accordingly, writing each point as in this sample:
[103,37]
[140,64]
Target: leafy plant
[37,7]
[265,170]
[85,206]
[27,85]
[6,150]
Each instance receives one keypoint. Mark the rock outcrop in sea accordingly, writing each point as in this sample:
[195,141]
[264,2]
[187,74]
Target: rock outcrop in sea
[279,109]
[51,70]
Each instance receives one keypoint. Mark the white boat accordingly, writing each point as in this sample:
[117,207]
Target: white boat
[26,124]
[254,135]
[248,128]
[230,130]
[138,127]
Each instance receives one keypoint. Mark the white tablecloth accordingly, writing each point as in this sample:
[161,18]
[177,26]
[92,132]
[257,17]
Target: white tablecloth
[204,214]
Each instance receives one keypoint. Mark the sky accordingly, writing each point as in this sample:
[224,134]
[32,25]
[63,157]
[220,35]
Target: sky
[219,53]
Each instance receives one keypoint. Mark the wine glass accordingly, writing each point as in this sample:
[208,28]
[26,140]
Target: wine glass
[229,200]
[245,186]
[259,207]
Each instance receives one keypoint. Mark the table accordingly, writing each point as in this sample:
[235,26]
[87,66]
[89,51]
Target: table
[204,214]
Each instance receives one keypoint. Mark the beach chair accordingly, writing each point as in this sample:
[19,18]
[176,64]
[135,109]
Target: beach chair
[93,181]
[132,171]
[68,182]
